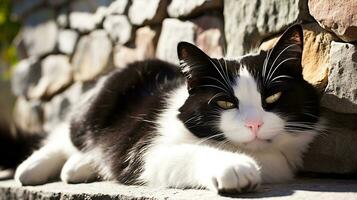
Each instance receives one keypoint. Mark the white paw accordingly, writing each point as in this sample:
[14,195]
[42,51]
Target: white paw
[39,168]
[78,169]
[238,175]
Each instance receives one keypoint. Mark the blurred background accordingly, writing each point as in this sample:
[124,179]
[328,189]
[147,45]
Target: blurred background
[53,51]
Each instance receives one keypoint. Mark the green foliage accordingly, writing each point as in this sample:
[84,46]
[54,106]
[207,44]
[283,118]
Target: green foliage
[9,29]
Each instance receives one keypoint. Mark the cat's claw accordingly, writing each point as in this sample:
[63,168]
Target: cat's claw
[237,177]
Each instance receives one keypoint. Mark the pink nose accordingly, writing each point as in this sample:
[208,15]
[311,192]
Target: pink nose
[254,125]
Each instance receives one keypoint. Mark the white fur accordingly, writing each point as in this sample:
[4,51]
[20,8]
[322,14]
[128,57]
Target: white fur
[100,161]
[183,161]
[250,107]
[46,163]
[279,156]
[78,168]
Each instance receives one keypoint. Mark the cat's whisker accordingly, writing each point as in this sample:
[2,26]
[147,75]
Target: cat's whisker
[225,79]
[271,74]
[190,119]
[226,67]
[279,77]
[214,86]
[208,138]
[216,95]
[267,58]
[225,72]
[144,120]
[213,78]
[272,65]
[222,143]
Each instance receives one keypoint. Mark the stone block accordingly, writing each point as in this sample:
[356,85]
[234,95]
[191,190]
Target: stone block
[145,46]
[40,27]
[25,76]
[118,7]
[205,31]
[56,74]
[147,12]
[173,31]
[188,8]
[28,115]
[341,92]
[67,40]
[248,22]
[118,28]
[92,55]
[339,17]
[58,109]
[86,15]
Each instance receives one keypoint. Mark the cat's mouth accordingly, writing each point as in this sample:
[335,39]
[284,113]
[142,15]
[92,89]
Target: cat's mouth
[256,140]
[257,144]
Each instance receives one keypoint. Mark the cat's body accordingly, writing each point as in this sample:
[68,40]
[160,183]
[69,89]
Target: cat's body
[216,124]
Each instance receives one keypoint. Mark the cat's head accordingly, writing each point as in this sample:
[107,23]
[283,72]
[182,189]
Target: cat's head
[252,101]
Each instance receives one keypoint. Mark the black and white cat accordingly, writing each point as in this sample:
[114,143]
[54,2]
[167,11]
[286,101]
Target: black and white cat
[224,125]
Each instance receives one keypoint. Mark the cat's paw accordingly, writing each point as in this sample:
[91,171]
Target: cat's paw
[39,168]
[78,169]
[236,176]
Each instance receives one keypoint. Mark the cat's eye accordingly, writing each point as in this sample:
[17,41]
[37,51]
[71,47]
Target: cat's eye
[225,104]
[273,98]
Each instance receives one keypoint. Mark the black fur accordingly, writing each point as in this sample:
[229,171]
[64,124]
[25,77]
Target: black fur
[122,117]
[15,144]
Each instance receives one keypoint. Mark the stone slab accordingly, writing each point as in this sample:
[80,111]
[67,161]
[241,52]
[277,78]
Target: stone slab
[301,189]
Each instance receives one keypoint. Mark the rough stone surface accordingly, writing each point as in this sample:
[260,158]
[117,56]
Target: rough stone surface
[118,28]
[145,46]
[337,16]
[87,61]
[186,8]
[40,27]
[56,74]
[210,35]
[26,74]
[334,151]
[341,91]
[67,40]
[328,189]
[118,7]
[147,12]
[316,54]
[83,16]
[248,22]
[183,31]
[82,21]
[28,115]
[205,31]
[58,109]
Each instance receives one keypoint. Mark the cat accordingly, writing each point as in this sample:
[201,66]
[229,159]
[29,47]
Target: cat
[217,124]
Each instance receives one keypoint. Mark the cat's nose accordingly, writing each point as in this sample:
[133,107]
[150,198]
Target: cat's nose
[254,125]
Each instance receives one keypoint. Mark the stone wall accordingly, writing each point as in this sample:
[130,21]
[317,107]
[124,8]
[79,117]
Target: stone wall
[66,45]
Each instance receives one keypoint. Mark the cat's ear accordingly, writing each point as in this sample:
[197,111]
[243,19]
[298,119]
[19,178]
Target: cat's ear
[190,56]
[194,63]
[288,51]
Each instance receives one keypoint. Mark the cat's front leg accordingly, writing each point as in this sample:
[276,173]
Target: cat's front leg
[198,166]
